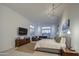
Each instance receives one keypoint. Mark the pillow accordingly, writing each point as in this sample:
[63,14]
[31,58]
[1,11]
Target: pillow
[58,39]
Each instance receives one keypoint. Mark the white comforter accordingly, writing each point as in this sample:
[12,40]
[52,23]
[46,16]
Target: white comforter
[49,43]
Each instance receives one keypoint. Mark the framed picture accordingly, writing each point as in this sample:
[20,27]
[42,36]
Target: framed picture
[66,26]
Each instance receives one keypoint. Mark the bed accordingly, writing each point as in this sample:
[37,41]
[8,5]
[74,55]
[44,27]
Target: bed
[50,45]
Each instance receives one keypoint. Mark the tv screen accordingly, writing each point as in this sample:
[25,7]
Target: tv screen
[22,31]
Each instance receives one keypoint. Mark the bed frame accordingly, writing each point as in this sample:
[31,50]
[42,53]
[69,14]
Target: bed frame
[49,50]
[56,51]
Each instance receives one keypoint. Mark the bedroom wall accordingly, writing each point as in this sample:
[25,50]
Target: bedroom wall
[74,16]
[9,21]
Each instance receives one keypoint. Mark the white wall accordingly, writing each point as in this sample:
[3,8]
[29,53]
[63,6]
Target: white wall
[9,21]
[74,16]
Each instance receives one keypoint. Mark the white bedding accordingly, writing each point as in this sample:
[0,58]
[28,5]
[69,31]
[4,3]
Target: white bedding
[50,43]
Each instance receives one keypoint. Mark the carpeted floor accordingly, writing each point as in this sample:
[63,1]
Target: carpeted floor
[28,48]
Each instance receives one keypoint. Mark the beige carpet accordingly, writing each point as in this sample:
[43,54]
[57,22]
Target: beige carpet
[26,50]
[29,48]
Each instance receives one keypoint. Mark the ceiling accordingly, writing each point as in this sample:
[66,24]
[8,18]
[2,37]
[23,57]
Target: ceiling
[37,12]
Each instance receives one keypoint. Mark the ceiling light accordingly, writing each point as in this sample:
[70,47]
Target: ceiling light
[52,9]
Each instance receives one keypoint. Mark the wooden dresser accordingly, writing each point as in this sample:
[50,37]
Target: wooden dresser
[67,52]
[20,42]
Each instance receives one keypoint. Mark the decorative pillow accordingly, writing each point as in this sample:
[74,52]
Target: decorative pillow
[58,39]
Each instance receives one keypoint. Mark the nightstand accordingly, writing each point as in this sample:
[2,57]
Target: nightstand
[67,52]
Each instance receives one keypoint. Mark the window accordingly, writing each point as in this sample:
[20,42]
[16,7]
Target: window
[46,27]
[32,30]
[46,31]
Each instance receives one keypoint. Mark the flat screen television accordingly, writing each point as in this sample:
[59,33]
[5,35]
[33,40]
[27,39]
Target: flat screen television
[22,31]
